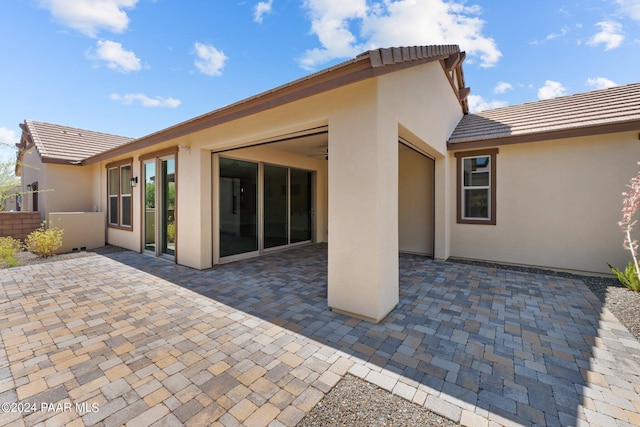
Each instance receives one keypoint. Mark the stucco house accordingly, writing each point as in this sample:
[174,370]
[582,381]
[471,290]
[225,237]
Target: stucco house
[45,153]
[377,155]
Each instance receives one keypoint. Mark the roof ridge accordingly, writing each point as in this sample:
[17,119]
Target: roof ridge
[61,143]
[79,129]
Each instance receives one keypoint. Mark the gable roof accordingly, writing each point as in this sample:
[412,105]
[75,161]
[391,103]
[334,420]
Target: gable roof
[64,144]
[372,63]
[616,109]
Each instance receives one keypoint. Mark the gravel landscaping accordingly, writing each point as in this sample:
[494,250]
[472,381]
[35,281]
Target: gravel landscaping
[355,402]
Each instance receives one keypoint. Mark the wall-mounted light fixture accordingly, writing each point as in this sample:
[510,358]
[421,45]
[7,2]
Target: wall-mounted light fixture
[133,181]
[28,187]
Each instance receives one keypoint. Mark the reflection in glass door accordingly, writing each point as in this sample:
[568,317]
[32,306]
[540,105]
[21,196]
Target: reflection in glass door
[238,207]
[150,206]
[301,209]
[168,194]
[276,206]
[160,206]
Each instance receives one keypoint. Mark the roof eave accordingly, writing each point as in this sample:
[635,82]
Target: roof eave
[628,126]
[367,65]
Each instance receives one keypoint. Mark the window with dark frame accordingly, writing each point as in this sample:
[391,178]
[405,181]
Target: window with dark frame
[476,187]
[119,194]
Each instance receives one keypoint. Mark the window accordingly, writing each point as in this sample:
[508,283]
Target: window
[476,187]
[119,203]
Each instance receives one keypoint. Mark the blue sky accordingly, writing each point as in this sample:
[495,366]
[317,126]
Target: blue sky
[132,67]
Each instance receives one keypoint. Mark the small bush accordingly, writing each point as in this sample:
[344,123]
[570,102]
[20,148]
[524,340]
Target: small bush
[629,277]
[44,242]
[9,247]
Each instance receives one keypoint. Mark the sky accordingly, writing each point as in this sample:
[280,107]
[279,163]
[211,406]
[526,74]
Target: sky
[133,67]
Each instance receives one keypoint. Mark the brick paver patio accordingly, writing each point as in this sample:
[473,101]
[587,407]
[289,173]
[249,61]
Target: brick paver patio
[128,339]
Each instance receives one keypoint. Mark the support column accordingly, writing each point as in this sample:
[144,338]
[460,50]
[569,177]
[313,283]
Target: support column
[363,279]
[443,200]
[194,188]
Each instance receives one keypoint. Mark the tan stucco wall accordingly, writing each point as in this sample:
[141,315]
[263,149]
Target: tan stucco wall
[363,212]
[415,202]
[32,171]
[82,230]
[71,185]
[64,188]
[425,121]
[558,204]
[417,104]
[423,103]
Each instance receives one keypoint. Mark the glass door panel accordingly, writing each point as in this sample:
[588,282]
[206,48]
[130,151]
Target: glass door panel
[276,212]
[238,207]
[150,206]
[168,168]
[300,206]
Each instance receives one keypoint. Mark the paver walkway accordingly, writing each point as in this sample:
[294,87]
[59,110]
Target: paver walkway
[136,340]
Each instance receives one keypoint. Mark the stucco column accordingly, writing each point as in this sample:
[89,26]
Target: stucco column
[363,278]
[194,208]
[444,196]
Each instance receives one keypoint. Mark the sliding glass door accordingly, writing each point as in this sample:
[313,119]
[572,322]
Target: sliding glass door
[262,207]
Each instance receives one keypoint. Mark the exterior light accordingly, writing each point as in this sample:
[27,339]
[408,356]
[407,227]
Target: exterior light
[28,187]
[133,181]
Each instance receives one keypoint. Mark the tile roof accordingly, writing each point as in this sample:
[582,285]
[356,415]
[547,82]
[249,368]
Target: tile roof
[64,144]
[395,55]
[614,109]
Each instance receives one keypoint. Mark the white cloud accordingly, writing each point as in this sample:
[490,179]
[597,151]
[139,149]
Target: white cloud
[610,35]
[630,8]
[210,60]
[90,16]
[145,100]
[600,83]
[8,137]
[478,103]
[551,89]
[261,9]
[116,57]
[330,20]
[348,27]
[502,87]
[563,32]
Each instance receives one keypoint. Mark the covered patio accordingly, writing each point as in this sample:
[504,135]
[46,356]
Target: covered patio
[254,341]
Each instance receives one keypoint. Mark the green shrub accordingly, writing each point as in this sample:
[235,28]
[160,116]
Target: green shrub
[9,247]
[171,232]
[629,277]
[44,242]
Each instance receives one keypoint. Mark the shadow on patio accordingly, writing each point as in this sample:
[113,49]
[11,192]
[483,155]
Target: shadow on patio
[514,347]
